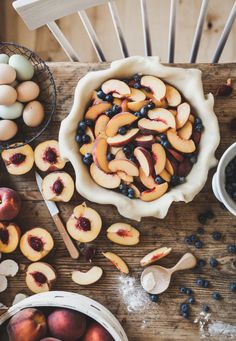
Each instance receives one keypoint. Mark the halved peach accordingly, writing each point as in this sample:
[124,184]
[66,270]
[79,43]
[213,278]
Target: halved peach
[159,157]
[183,112]
[123,234]
[96,110]
[136,95]
[18,160]
[118,88]
[154,193]
[100,154]
[184,146]
[103,179]
[117,261]
[47,156]
[173,96]
[144,159]
[162,115]
[154,255]
[144,140]
[100,125]
[186,131]
[87,277]
[125,177]
[147,181]
[156,85]
[127,166]
[148,127]
[117,121]
[120,140]
[165,175]
[40,277]
[85,224]
[58,186]
[9,237]
[136,106]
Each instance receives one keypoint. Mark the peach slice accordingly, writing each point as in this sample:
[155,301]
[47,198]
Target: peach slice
[95,98]
[125,177]
[165,175]
[96,110]
[58,186]
[136,95]
[183,112]
[47,156]
[120,155]
[136,190]
[36,244]
[40,277]
[117,101]
[117,121]
[154,193]
[124,105]
[147,181]
[120,140]
[115,150]
[85,224]
[162,115]
[103,179]
[154,255]
[18,160]
[136,106]
[144,140]
[156,85]
[186,131]
[147,126]
[100,154]
[169,167]
[87,277]
[118,88]
[123,234]
[184,146]
[88,147]
[9,237]
[173,96]
[159,156]
[100,125]
[117,261]
[191,118]
[144,159]
[126,166]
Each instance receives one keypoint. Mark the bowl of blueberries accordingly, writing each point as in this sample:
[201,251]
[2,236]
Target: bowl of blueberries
[224,180]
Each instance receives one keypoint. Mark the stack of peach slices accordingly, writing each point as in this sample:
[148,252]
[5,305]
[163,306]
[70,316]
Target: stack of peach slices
[139,136]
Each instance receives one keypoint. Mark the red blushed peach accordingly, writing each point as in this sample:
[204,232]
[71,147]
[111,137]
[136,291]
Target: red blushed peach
[27,325]
[9,237]
[96,332]
[10,203]
[66,324]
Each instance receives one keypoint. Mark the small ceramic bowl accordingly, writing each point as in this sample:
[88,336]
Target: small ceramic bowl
[218,181]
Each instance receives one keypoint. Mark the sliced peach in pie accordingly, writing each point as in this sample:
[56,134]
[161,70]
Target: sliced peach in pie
[184,146]
[144,140]
[136,95]
[154,193]
[165,175]
[186,131]
[169,167]
[100,154]
[173,96]
[118,88]
[120,140]
[159,156]
[123,234]
[88,147]
[100,125]
[136,106]
[120,155]
[127,166]
[162,115]
[125,177]
[96,110]
[147,126]
[117,121]
[124,105]
[103,179]
[156,85]
[147,181]
[144,159]
[95,98]
[183,112]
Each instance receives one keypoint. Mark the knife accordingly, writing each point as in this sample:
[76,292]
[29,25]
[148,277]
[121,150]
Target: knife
[53,210]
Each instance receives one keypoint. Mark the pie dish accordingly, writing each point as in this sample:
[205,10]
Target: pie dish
[188,82]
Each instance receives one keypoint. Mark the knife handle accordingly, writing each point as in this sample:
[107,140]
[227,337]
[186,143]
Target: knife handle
[74,253]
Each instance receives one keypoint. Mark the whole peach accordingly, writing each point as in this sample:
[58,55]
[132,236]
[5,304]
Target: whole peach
[50,339]
[27,325]
[96,332]
[67,325]
[10,203]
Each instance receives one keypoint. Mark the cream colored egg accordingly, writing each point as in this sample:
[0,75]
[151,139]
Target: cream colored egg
[33,114]
[24,68]
[8,130]
[11,112]
[7,74]
[27,91]
[4,58]
[8,95]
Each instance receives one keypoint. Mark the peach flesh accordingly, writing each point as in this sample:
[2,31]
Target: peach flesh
[36,243]
[17,158]
[50,155]
[83,224]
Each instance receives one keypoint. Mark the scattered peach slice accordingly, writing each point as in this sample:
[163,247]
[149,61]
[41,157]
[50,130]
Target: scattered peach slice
[123,234]
[118,88]
[162,115]
[173,96]
[147,126]
[153,256]
[103,179]
[184,146]
[125,177]
[9,237]
[96,110]
[165,175]
[137,95]
[58,186]
[126,166]
[117,261]
[154,193]
[156,85]
[47,156]
[100,154]
[186,131]
[85,224]
[87,277]
[144,159]
[136,106]
[147,181]
[117,121]
[145,141]
[100,125]
[183,112]
[40,277]
[18,160]
[120,140]
[159,156]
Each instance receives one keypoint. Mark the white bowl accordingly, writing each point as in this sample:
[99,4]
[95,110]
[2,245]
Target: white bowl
[72,301]
[218,180]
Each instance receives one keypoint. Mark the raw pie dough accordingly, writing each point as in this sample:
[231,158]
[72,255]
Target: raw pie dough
[188,82]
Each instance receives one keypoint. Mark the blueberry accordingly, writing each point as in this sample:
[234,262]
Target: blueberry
[144,110]
[78,139]
[122,130]
[184,307]
[159,180]
[163,137]
[123,187]
[80,131]
[188,240]
[110,157]
[201,263]
[131,193]
[181,179]
[193,158]
[206,284]
[198,127]
[213,262]
[200,282]
[231,248]
[137,77]
[132,158]
[205,308]
[127,149]
[88,159]
[209,214]
[165,144]
[131,196]
[216,296]
[174,180]
[183,290]
[153,298]
[193,238]
[189,291]
[198,120]
[150,105]
[115,109]
[232,287]
[185,315]
[109,113]
[82,125]
[89,123]
[137,85]
[86,138]
[191,300]
[109,98]
[200,230]
[202,218]
[216,235]
[198,244]
[101,94]
[138,114]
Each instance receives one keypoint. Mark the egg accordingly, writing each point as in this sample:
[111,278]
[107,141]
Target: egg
[7,74]
[33,114]
[8,130]
[27,91]
[8,95]
[24,68]
[11,112]
[4,58]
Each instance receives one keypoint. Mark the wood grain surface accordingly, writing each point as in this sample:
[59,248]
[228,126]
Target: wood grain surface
[151,321]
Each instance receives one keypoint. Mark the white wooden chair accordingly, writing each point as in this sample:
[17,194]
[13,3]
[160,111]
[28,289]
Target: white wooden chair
[37,13]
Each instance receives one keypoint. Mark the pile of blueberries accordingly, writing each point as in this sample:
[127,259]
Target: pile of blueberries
[230,178]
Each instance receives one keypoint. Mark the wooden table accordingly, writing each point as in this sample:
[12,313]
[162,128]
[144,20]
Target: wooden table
[150,321]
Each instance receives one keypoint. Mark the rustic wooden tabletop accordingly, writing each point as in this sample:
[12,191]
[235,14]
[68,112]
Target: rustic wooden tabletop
[141,318]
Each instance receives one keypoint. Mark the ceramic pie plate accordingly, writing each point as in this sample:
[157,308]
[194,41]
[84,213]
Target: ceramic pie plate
[189,83]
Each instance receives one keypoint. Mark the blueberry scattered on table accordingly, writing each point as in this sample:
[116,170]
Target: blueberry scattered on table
[153,298]
[201,263]
[183,290]
[203,217]
[232,287]
[205,308]
[200,230]
[185,315]
[214,262]
[184,307]
[193,238]
[216,295]
[189,291]
[231,248]
[198,244]
[191,300]
[203,283]
[206,284]
[216,235]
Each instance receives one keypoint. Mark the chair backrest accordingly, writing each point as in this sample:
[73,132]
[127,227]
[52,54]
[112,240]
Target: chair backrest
[37,13]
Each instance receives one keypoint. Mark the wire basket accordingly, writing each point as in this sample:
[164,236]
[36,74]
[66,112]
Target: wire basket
[47,96]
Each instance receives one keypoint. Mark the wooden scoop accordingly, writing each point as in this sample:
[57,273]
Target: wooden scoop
[155,279]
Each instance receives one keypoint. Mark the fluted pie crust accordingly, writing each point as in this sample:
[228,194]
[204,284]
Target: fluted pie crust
[189,83]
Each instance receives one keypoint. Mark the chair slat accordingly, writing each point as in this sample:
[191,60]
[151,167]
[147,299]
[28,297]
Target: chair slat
[117,25]
[63,41]
[146,31]
[224,35]
[171,45]
[92,35]
[198,31]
